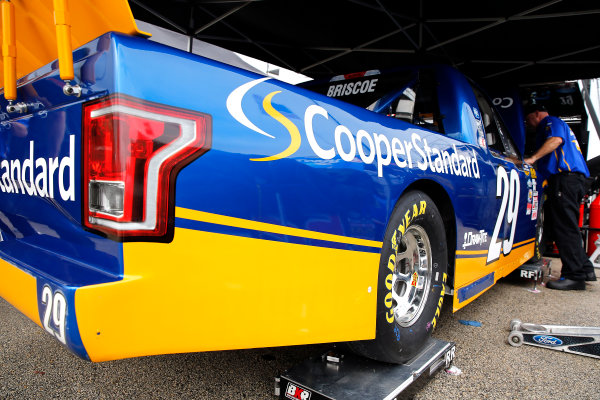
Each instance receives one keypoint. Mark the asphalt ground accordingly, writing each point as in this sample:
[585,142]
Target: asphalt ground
[33,365]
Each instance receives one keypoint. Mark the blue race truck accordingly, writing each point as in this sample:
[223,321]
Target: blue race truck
[162,202]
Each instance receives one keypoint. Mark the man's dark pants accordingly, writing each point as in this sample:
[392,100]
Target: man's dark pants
[565,191]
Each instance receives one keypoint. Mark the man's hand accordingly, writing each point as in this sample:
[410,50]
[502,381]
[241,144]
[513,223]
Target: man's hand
[548,147]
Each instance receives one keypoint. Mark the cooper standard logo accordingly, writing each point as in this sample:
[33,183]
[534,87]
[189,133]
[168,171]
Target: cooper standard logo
[406,151]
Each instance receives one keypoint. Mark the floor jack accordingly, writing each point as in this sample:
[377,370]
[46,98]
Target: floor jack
[335,376]
[580,340]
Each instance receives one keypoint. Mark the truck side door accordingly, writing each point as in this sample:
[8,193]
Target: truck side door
[514,190]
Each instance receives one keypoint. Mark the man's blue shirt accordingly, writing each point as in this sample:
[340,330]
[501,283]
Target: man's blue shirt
[567,157]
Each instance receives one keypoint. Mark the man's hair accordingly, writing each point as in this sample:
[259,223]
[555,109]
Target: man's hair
[533,107]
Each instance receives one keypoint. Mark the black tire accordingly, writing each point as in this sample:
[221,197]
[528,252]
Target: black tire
[410,289]
[540,236]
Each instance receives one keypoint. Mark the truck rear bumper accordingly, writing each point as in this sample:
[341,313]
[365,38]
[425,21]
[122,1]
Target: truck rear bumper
[46,302]
[19,288]
[206,291]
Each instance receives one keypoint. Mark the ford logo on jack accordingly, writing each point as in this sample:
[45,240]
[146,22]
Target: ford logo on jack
[548,340]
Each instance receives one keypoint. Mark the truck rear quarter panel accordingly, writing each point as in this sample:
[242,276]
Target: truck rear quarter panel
[277,237]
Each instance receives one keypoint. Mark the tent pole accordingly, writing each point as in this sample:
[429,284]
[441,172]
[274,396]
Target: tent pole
[585,91]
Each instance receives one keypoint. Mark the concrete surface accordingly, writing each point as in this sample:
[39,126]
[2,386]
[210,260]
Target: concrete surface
[33,365]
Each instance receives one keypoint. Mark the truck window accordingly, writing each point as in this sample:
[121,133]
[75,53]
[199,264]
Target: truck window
[416,104]
[364,88]
[405,94]
[497,137]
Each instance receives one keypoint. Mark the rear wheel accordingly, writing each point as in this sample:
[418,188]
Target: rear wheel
[412,274]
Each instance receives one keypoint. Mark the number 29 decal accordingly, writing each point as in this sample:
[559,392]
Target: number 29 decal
[509,189]
[55,314]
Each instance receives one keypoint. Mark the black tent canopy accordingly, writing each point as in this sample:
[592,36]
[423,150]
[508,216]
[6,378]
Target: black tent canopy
[520,42]
[531,44]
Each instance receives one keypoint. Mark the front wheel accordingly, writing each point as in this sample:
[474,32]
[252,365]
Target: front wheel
[411,283]
[540,237]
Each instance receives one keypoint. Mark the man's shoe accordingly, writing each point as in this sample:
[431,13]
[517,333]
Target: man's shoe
[566,284]
[590,276]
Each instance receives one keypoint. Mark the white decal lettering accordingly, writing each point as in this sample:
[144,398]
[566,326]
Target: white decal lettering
[28,165]
[351,154]
[422,165]
[408,146]
[36,176]
[338,90]
[41,181]
[52,166]
[397,150]
[428,151]
[67,162]
[381,161]
[15,166]
[475,165]
[351,88]
[331,139]
[348,89]
[513,210]
[310,134]
[361,151]
[372,84]
[55,314]
[6,177]
[508,189]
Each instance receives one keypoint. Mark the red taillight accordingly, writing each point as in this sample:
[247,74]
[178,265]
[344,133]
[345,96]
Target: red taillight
[132,151]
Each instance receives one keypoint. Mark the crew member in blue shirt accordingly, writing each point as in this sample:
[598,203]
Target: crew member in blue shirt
[559,160]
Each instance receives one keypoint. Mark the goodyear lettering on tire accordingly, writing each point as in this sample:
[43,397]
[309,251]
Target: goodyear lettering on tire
[440,301]
[416,209]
